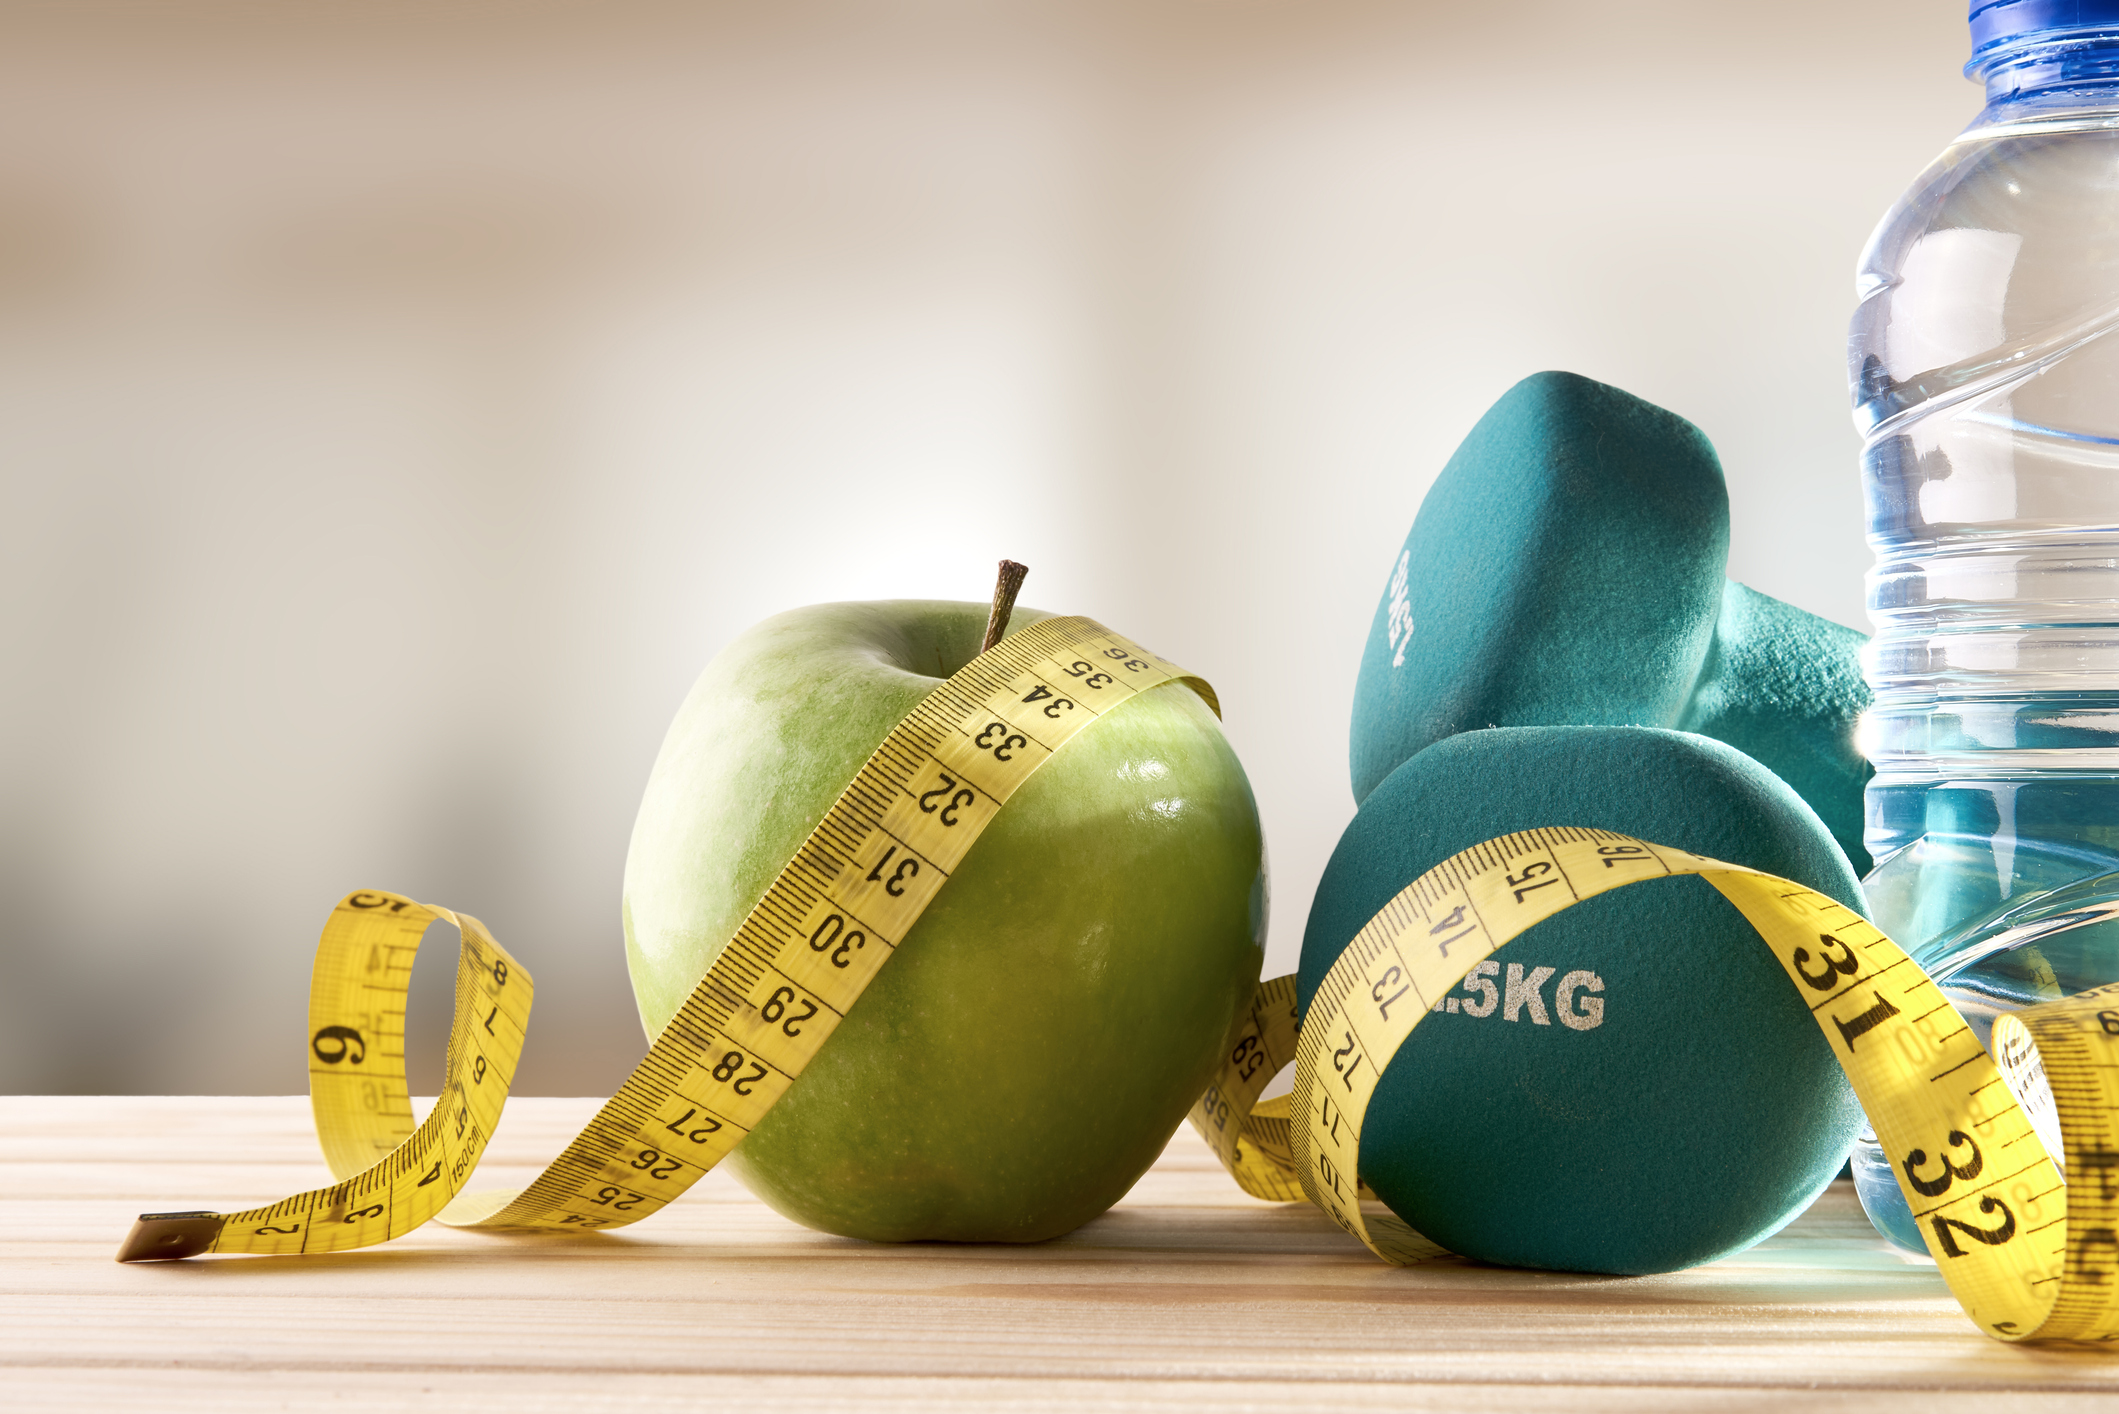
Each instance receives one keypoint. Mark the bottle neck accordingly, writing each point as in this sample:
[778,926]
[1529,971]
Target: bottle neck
[2069,73]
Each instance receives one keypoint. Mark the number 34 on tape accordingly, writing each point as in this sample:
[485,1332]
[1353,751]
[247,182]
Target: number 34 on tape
[825,926]
[2028,1256]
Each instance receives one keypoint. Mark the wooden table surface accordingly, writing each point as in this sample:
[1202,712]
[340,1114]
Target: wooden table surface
[1187,1295]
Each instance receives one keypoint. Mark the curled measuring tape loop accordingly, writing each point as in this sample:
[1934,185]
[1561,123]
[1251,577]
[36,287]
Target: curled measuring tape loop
[798,962]
[2028,1256]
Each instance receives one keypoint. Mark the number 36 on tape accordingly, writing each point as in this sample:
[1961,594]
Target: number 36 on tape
[773,996]
[2027,1255]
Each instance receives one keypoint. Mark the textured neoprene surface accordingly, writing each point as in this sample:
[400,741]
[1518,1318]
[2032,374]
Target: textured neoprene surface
[1700,1113]
[1566,568]
[1785,688]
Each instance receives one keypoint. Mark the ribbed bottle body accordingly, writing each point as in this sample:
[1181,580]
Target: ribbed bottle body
[1986,383]
[1987,386]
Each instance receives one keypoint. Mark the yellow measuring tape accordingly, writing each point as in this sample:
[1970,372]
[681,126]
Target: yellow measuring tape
[2027,1256]
[772,998]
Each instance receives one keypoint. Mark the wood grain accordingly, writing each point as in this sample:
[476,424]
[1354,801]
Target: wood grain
[1187,1295]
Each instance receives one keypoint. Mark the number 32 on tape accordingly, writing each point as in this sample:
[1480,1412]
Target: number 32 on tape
[824,927]
[2028,1256]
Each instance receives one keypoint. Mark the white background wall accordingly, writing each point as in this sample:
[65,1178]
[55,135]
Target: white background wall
[401,400]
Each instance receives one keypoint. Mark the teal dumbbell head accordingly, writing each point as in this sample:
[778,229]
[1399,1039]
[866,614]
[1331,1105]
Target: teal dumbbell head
[1630,1086]
[1566,568]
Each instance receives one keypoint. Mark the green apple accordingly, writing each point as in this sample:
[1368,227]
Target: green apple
[1044,1027]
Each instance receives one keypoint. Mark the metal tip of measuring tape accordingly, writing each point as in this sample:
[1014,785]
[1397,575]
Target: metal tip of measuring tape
[164,1237]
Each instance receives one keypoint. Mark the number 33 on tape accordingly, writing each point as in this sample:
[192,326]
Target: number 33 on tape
[2026,1255]
[824,927]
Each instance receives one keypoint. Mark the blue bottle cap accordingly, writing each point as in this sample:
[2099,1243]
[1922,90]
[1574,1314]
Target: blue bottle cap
[1999,23]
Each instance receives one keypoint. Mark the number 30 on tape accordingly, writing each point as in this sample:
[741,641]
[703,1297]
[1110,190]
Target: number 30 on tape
[2027,1256]
[772,998]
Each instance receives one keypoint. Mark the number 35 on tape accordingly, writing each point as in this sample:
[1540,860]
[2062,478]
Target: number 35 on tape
[773,996]
[2027,1255]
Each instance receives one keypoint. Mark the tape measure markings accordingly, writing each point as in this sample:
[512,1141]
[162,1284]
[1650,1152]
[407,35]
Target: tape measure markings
[882,912]
[2087,1304]
[796,964]
[2027,1256]
[320,1220]
[1916,1120]
[890,841]
[829,904]
[1227,1116]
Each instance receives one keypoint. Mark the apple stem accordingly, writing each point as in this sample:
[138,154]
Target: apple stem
[1005,589]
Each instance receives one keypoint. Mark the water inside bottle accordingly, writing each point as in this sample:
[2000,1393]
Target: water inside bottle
[1988,393]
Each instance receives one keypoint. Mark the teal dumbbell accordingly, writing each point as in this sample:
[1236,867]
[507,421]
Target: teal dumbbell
[1566,568]
[1631,1085]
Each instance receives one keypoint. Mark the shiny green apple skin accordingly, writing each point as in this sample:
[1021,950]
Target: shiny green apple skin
[1043,1029]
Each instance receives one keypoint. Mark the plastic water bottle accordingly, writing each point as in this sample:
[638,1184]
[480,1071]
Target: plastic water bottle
[1986,387]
